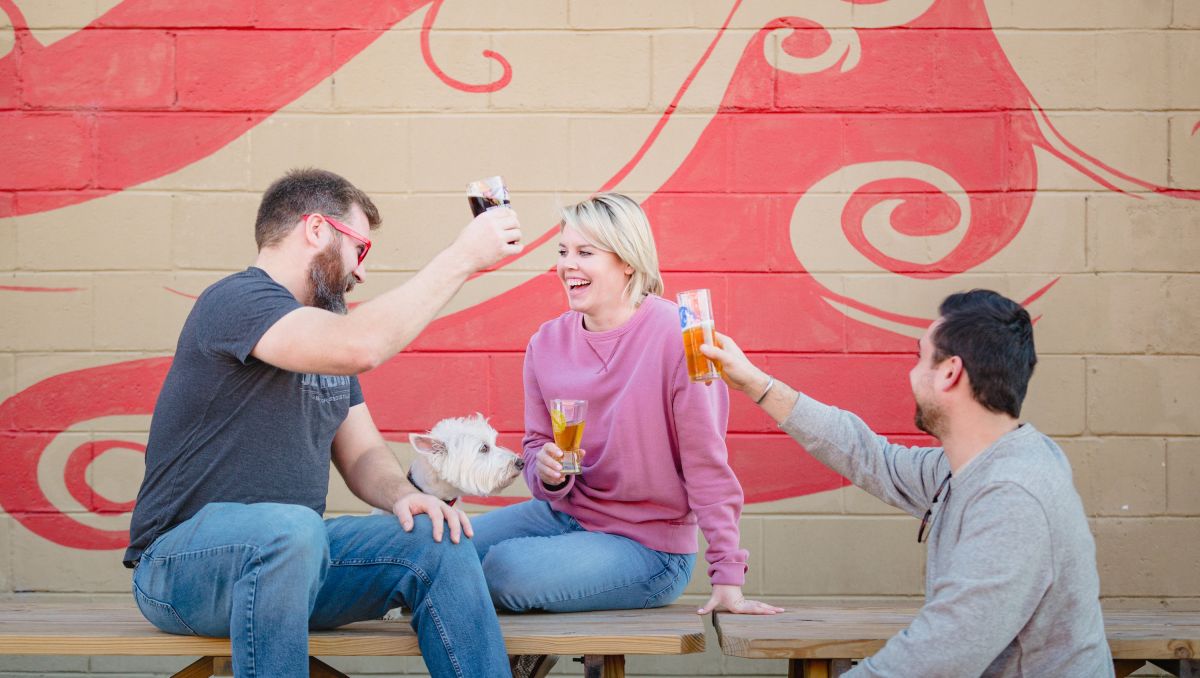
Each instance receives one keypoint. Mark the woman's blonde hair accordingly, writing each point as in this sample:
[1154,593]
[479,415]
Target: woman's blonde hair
[617,224]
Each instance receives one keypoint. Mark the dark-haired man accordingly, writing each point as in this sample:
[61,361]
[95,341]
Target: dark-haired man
[227,537]
[1011,587]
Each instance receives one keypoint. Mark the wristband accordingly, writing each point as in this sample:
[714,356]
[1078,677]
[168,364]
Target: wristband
[770,383]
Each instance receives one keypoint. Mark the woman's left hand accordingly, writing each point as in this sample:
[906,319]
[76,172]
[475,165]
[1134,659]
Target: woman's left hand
[727,597]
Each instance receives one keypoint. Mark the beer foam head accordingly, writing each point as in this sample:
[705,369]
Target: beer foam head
[616,223]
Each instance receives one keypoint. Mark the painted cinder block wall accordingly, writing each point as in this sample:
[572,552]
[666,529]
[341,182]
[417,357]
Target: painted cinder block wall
[829,169]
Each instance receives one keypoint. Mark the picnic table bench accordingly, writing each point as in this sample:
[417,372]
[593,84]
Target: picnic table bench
[601,638]
[821,640]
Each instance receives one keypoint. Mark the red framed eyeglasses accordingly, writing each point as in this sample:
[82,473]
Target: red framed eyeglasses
[343,228]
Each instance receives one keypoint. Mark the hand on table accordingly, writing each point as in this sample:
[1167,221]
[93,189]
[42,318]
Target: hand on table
[729,598]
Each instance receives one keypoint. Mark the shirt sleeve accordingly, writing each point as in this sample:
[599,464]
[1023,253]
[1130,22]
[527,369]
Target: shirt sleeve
[1002,568]
[905,477]
[701,416]
[538,432]
[238,313]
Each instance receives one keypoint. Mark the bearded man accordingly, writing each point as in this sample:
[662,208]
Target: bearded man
[228,537]
[1011,587]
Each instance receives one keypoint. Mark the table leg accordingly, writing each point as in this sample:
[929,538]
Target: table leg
[604,666]
[201,668]
[319,669]
[1184,668]
[810,668]
[1124,667]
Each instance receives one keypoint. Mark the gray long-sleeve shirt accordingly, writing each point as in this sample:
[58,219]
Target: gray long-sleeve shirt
[1011,587]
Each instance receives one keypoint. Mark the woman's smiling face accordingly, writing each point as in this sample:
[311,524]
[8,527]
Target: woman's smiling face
[594,279]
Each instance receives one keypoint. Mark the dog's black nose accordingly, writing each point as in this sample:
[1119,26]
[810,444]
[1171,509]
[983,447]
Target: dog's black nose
[520,463]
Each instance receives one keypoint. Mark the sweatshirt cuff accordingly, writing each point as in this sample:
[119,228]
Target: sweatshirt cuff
[730,574]
[806,420]
[553,495]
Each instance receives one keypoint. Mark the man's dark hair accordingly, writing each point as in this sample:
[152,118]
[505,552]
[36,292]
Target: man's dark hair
[307,191]
[993,336]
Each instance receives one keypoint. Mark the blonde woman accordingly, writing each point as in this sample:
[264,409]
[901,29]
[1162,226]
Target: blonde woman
[623,533]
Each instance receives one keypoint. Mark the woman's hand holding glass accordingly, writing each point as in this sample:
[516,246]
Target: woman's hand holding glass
[549,464]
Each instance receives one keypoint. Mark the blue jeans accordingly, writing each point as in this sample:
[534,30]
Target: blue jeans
[264,574]
[536,558]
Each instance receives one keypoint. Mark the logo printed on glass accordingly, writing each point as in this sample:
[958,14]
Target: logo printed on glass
[686,318]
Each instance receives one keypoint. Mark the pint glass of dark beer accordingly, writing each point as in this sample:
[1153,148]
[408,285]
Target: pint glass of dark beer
[485,194]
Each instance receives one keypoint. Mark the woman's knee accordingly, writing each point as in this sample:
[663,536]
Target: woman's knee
[510,583]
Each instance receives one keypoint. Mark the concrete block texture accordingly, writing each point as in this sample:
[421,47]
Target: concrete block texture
[1168,388]
[831,556]
[8,237]
[1148,557]
[830,170]
[1148,234]
[1119,476]
[1077,14]
[1187,15]
[1184,158]
[1120,314]
[8,369]
[1183,474]
[133,231]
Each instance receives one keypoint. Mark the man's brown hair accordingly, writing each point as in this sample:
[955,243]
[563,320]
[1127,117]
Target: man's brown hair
[307,191]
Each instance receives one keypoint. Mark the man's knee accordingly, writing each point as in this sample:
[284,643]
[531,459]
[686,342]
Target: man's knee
[454,559]
[294,532]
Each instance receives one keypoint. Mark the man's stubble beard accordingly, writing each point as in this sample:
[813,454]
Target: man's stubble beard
[929,419]
[329,279]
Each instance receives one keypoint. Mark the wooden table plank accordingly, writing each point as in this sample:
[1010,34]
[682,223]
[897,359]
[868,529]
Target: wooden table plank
[857,631]
[115,629]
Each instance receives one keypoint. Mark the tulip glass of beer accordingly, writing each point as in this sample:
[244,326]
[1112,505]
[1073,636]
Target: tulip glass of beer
[567,419]
[696,321]
[485,194]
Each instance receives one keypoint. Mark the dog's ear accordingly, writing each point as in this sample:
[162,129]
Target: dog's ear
[426,444]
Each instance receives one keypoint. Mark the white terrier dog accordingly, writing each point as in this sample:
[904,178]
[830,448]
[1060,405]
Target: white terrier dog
[460,456]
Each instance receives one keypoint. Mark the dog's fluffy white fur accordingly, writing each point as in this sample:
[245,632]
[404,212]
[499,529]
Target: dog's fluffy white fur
[460,456]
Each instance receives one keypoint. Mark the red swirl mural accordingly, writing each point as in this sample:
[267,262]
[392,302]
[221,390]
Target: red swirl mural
[942,150]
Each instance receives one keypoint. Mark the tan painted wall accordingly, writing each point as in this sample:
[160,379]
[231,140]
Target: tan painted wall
[1119,332]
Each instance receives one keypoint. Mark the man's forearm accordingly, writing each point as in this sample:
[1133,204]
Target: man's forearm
[393,319]
[779,400]
[378,479]
[905,477]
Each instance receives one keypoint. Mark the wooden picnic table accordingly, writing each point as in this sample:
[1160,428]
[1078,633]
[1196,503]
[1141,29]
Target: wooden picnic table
[601,638]
[821,640]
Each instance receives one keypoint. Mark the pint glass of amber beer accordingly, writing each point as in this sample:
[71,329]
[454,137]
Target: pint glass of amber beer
[696,321]
[567,418]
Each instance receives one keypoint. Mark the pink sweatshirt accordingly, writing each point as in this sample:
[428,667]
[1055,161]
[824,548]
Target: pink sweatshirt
[656,462]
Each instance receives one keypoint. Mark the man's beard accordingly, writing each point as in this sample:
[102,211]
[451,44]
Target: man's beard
[330,283]
[929,419]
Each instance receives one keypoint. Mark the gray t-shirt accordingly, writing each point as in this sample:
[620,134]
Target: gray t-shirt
[1011,587]
[228,427]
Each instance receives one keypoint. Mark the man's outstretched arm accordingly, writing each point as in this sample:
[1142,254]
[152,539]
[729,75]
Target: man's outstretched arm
[905,477]
[316,341]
